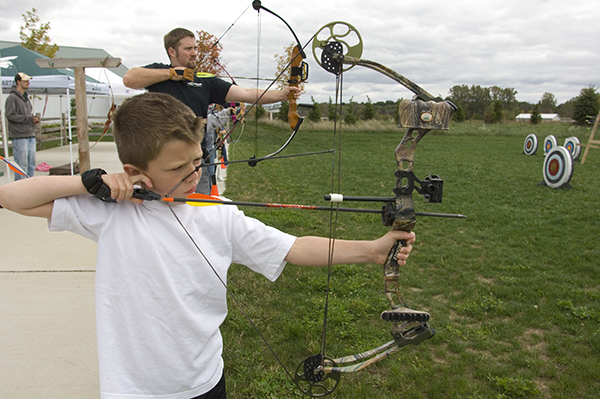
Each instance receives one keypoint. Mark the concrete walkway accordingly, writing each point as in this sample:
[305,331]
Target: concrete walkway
[47,325]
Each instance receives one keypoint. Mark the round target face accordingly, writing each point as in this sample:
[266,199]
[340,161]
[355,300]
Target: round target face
[549,143]
[531,144]
[572,145]
[558,167]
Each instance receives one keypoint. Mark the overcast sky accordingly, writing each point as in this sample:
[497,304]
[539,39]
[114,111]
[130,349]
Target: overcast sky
[533,46]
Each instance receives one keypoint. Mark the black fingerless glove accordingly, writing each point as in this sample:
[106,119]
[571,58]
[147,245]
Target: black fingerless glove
[94,184]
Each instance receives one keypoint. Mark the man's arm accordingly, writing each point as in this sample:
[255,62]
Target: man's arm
[12,115]
[140,78]
[239,94]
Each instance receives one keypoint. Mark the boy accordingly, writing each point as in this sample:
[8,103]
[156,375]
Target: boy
[159,298]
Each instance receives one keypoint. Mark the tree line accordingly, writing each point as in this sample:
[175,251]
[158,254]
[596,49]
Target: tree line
[490,104]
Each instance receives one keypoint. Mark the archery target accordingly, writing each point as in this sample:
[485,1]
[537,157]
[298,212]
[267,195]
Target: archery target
[572,145]
[558,167]
[549,143]
[531,144]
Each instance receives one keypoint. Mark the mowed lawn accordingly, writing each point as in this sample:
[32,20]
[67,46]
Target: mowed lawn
[513,290]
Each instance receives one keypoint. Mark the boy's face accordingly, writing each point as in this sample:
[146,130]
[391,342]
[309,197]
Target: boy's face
[175,161]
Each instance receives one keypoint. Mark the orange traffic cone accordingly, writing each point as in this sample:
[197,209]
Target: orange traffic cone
[223,166]
[214,191]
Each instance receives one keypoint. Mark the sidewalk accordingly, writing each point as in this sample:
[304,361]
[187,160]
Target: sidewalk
[47,325]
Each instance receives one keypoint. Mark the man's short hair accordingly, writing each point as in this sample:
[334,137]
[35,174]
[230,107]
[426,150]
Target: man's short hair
[145,123]
[172,38]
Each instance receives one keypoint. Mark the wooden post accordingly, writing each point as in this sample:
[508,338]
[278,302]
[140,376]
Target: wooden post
[79,64]
[82,122]
[63,128]
[38,132]
[591,142]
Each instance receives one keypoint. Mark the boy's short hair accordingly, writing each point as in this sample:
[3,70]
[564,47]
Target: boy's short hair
[145,123]
[172,38]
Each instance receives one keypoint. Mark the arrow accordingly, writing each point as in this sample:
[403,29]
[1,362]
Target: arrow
[198,199]
[14,167]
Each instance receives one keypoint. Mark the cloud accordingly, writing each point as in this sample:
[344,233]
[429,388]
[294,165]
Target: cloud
[534,47]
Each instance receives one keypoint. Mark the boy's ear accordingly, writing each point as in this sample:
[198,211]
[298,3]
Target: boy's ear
[132,170]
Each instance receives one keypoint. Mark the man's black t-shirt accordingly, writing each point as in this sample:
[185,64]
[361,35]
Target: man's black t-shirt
[197,94]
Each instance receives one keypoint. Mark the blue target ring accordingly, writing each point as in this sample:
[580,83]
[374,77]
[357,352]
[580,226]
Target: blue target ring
[572,145]
[549,144]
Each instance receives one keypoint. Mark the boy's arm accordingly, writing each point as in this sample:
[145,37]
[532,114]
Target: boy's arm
[314,251]
[35,196]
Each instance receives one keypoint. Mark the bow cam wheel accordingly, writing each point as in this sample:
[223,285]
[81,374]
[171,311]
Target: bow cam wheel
[311,378]
[336,38]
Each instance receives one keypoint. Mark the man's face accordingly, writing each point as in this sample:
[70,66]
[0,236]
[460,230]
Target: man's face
[175,161]
[24,84]
[186,53]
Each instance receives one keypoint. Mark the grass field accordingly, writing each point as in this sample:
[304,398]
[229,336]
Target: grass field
[513,290]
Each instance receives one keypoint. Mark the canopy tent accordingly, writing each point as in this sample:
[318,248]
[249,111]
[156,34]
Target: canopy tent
[45,81]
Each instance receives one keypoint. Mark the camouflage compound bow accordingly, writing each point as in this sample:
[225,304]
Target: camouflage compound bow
[319,375]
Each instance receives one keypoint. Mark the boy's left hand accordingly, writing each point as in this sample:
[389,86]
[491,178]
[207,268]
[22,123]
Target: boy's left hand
[385,243]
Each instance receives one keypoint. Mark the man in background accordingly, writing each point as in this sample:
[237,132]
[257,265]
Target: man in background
[21,125]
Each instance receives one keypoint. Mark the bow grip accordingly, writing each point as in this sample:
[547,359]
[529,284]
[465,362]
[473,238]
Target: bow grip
[391,258]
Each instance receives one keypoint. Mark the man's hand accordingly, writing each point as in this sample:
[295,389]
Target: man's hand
[285,93]
[180,73]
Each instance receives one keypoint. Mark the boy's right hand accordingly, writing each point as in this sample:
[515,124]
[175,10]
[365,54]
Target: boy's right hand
[121,185]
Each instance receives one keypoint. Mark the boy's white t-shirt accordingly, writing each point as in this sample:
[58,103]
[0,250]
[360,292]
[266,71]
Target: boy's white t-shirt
[159,304]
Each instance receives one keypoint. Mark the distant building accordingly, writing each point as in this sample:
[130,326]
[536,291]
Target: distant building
[545,118]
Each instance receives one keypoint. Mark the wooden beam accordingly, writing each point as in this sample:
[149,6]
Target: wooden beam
[82,122]
[107,62]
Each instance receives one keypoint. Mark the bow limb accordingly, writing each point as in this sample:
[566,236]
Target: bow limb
[298,74]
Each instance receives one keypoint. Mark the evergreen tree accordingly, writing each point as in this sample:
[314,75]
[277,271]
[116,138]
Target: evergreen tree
[536,117]
[315,112]
[331,114]
[283,111]
[368,110]
[350,118]
[459,115]
[586,105]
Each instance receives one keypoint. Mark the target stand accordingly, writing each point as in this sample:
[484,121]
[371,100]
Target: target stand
[558,168]
[591,142]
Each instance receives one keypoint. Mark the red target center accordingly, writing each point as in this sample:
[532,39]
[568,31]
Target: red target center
[553,167]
